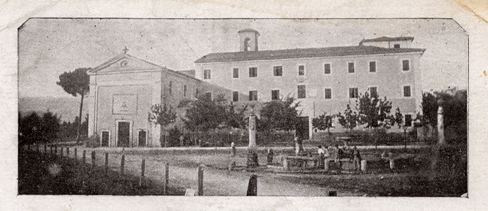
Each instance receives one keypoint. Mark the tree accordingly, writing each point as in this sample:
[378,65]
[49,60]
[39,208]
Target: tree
[49,127]
[236,116]
[323,122]
[161,115]
[76,83]
[429,109]
[349,119]
[455,107]
[280,114]
[204,114]
[374,111]
[399,118]
[29,126]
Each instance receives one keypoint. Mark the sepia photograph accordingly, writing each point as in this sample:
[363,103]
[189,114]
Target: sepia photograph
[243,107]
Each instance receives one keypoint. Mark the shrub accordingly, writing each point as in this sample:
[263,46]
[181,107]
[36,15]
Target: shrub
[174,137]
[93,141]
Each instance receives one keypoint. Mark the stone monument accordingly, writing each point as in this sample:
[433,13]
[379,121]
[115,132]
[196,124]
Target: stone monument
[252,152]
[440,123]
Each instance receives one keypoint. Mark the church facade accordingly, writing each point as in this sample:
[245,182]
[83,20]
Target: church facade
[122,91]
[322,79]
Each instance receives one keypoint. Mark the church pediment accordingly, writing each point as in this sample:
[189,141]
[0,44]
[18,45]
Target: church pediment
[125,63]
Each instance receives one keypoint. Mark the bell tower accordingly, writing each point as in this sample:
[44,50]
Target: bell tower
[248,39]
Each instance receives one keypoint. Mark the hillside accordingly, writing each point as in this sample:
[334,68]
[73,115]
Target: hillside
[66,107]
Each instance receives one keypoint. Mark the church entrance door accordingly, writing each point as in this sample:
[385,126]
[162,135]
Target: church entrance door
[123,134]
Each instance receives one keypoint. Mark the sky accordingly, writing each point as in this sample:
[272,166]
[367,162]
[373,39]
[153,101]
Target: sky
[49,47]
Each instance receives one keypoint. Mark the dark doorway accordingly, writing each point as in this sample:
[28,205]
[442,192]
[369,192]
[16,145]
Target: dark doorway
[302,128]
[123,134]
[142,138]
[105,138]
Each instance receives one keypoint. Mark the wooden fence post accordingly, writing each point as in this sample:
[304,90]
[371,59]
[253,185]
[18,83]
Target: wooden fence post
[84,157]
[83,161]
[166,178]
[200,180]
[106,162]
[76,153]
[143,166]
[45,149]
[56,149]
[252,188]
[61,151]
[92,159]
[51,146]
[122,160]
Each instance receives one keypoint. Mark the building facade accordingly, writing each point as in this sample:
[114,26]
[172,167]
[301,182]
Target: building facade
[322,79]
[122,91]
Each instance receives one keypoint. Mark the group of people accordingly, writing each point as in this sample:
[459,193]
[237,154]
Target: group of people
[337,153]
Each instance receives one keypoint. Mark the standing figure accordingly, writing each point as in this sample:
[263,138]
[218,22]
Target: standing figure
[326,152]
[321,155]
[182,140]
[339,156]
[297,147]
[357,158]
[270,156]
[232,149]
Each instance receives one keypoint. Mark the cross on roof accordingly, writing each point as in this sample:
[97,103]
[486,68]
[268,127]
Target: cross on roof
[125,50]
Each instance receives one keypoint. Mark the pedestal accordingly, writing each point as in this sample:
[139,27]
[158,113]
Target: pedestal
[252,159]
[326,165]
[364,165]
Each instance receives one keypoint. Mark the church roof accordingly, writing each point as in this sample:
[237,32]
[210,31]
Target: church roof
[302,53]
[132,64]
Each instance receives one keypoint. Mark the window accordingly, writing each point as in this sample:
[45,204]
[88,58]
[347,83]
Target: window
[326,68]
[408,120]
[184,90]
[105,138]
[235,73]
[235,96]
[406,91]
[396,46]
[253,95]
[253,72]
[142,137]
[206,74]
[406,65]
[350,67]
[353,93]
[247,45]
[328,93]
[170,89]
[275,94]
[208,95]
[278,70]
[372,67]
[301,70]
[373,92]
[302,92]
